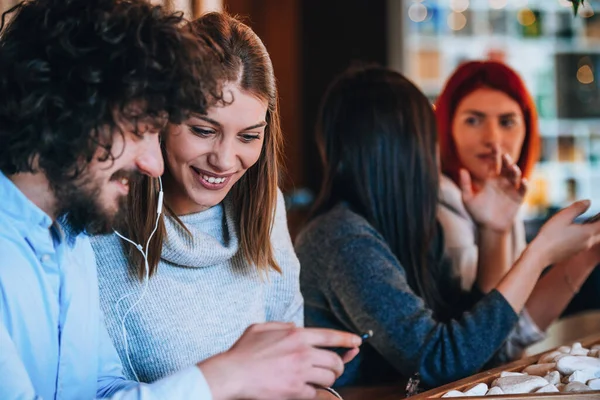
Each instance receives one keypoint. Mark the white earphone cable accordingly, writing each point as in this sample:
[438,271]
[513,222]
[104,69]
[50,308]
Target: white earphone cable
[144,253]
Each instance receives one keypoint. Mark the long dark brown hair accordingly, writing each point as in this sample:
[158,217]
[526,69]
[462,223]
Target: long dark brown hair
[377,136]
[246,62]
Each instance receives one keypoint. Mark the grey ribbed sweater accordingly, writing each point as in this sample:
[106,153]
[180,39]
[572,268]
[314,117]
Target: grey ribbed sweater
[203,295]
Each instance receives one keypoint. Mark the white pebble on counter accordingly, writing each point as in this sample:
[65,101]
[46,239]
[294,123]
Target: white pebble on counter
[506,373]
[565,349]
[570,364]
[550,357]
[567,369]
[553,377]
[582,376]
[454,393]
[594,384]
[539,369]
[520,384]
[477,390]
[549,388]
[576,387]
[495,391]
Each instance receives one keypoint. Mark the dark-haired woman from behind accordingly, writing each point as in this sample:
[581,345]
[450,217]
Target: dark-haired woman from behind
[373,255]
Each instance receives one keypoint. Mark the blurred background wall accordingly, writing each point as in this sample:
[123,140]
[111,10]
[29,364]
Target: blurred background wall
[557,54]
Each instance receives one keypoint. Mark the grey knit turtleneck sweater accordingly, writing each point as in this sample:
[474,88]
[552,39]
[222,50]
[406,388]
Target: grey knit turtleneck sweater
[202,297]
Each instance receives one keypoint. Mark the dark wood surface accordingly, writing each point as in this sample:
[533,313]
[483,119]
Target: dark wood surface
[373,393]
[397,392]
[489,376]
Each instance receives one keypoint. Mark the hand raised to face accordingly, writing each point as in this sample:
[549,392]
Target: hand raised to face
[495,204]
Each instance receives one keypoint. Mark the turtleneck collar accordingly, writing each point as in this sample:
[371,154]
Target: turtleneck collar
[213,239]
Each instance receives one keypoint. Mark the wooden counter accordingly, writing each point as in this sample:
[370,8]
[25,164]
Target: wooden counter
[373,393]
[573,326]
[517,366]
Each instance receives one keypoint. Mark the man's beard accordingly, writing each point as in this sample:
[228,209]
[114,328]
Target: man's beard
[80,207]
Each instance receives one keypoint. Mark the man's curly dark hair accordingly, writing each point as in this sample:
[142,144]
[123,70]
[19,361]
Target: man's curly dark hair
[66,66]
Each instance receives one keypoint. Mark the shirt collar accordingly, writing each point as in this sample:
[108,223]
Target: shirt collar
[27,215]
[18,207]
[65,232]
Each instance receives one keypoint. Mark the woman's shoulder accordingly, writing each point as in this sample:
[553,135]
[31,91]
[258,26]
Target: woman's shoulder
[450,196]
[339,221]
[452,214]
[108,250]
[342,245]
[108,242]
[338,229]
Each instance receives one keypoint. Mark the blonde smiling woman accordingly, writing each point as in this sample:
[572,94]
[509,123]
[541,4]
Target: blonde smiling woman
[222,259]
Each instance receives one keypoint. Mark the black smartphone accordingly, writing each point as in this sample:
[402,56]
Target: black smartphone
[592,219]
[343,350]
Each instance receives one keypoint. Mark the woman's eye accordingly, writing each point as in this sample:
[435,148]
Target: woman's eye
[201,131]
[246,137]
[508,123]
[472,121]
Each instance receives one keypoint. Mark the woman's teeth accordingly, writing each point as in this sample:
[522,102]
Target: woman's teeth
[211,179]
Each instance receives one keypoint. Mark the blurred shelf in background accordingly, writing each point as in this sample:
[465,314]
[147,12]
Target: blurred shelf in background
[556,53]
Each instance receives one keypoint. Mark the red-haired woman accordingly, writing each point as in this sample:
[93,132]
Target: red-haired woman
[486,119]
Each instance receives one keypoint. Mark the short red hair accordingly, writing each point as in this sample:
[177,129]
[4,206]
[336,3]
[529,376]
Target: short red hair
[469,77]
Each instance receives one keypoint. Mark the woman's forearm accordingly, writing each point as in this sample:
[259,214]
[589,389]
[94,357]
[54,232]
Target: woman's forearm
[560,284]
[494,260]
[518,284]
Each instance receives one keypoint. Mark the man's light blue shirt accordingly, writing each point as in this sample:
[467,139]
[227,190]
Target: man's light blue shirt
[53,343]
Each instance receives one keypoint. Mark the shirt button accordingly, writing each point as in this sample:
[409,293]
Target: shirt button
[45,258]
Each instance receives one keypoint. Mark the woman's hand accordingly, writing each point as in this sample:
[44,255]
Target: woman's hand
[496,204]
[582,262]
[556,288]
[278,361]
[560,237]
[323,394]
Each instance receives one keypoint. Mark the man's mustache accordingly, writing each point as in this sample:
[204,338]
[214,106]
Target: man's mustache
[133,176]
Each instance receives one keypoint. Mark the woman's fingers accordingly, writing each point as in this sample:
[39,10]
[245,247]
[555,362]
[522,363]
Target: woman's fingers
[350,354]
[523,187]
[511,171]
[466,186]
[573,211]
